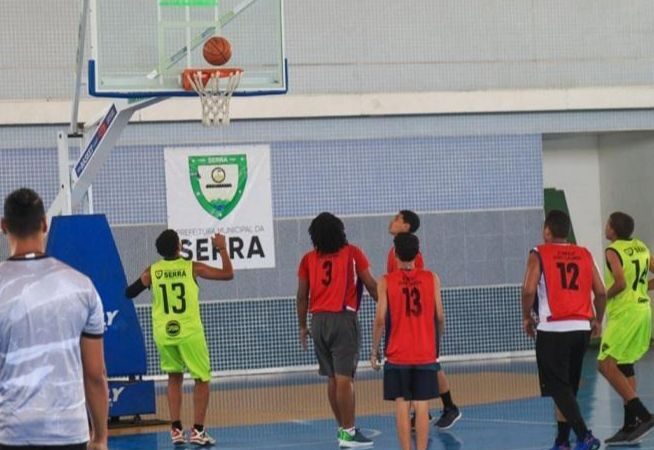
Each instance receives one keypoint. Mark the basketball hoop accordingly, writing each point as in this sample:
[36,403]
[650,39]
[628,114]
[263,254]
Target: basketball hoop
[215,87]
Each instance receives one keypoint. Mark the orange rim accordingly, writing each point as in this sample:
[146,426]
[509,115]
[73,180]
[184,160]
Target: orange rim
[206,73]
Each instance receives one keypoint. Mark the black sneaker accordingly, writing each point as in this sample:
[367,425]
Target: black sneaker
[619,438]
[639,430]
[448,418]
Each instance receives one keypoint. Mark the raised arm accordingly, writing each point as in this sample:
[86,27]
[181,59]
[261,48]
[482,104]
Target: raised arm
[529,288]
[615,264]
[212,273]
[379,323]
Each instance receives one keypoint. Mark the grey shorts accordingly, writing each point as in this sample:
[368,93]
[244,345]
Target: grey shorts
[336,339]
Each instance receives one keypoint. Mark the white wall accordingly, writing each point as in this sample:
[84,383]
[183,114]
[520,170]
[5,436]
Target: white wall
[571,163]
[601,174]
[346,46]
[626,169]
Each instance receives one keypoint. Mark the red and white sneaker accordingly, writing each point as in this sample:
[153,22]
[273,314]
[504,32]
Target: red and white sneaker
[201,438]
[177,436]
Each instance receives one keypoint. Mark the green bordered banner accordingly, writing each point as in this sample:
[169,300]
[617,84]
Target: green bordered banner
[218,182]
[223,189]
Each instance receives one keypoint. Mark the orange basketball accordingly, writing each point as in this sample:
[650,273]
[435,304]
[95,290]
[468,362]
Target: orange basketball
[217,51]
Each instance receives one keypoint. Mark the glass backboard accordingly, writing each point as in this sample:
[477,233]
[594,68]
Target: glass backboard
[140,48]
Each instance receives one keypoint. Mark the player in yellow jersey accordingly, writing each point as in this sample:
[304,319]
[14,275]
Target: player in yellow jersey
[177,328]
[629,323]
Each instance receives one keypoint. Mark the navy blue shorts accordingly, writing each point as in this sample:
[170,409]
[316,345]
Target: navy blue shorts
[417,382]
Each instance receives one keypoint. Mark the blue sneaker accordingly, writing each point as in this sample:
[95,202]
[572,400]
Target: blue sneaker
[589,442]
[562,446]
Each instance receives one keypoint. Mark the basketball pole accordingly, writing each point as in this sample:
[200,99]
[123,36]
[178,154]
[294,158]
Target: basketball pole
[81,41]
[63,201]
[74,185]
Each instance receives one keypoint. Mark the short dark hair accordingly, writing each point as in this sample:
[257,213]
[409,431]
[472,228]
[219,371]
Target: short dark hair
[23,212]
[622,224]
[167,243]
[412,219]
[559,223]
[327,233]
[407,246]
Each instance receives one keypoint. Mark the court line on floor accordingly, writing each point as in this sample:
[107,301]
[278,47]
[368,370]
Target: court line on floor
[525,422]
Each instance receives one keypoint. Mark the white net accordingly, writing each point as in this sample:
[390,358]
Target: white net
[215,89]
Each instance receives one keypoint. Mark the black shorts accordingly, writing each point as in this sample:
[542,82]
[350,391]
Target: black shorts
[419,382]
[44,447]
[336,339]
[560,356]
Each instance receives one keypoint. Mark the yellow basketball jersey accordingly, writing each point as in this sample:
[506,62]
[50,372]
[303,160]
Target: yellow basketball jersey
[634,256]
[175,307]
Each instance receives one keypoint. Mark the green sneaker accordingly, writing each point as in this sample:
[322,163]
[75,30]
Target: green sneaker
[356,440]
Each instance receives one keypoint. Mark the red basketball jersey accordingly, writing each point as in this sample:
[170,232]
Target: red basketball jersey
[411,320]
[568,275]
[333,280]
[391,262]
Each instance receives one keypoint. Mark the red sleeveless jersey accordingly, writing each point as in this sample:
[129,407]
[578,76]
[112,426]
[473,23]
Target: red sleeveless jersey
[333,281]
[411,320]
[568,274]
[391,262]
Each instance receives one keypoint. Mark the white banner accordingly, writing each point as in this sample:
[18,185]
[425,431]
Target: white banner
[222,189]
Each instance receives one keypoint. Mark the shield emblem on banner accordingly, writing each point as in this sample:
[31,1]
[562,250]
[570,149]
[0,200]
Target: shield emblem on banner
[218,182]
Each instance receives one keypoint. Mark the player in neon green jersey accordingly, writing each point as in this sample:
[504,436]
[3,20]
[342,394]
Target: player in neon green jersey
[629,323]
[177,328]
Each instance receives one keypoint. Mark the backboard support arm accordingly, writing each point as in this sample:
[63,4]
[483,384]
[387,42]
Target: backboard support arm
[75,183]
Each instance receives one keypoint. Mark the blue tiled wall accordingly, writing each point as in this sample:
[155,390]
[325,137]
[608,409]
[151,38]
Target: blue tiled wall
[480,199]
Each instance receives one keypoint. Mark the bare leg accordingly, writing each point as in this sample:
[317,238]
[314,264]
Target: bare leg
[402,423]
[632,382]
[443,385]
[345,400]
[422,424]
[200,401]
[331,394]
[175,381]
[609,369]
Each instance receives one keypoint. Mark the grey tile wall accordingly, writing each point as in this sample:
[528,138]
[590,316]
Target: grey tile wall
[434,46]
[465,248]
